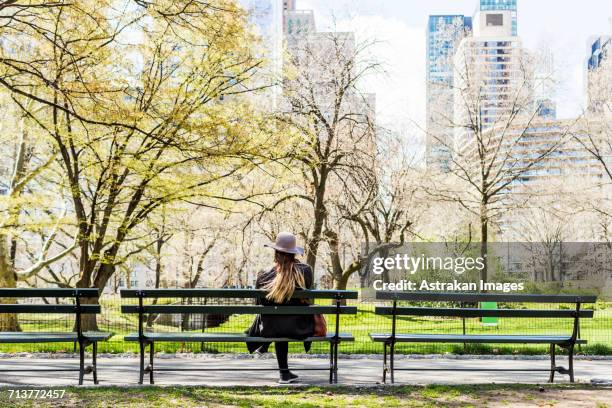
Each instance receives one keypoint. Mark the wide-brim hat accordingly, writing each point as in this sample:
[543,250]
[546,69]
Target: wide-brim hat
[286,242]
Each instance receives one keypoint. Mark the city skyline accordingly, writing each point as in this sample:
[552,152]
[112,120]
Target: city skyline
[400,30]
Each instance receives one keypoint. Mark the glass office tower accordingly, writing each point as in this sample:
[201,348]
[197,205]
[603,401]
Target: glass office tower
[598,51]
[599,72]
[502,5]
[266,17]
[443,35]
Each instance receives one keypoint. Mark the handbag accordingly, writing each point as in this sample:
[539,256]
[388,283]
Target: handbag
[320,326]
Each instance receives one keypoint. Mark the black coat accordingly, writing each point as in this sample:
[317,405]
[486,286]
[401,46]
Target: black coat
[292,326]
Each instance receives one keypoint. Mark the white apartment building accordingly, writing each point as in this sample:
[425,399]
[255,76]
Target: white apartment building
[544,152]
[500,117]
[296,22]
[491,76]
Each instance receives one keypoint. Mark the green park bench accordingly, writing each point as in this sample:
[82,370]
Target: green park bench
[83,338]
[567,341]
[149,338]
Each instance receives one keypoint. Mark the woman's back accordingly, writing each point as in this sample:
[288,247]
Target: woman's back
[293,326]
[265,277]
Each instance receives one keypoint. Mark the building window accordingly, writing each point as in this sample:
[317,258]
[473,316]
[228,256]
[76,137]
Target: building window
[495,20]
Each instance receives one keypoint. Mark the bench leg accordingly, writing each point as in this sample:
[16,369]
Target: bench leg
[385,363]
[571,363]
[151,354]
[142,351]
[94,362]
[391,355]
[552,363]
[336,363]
[331,362]
[81,362]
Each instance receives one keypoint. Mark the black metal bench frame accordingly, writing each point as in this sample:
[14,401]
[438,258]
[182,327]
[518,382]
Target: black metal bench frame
[338,296]
[394,311]
[77,309]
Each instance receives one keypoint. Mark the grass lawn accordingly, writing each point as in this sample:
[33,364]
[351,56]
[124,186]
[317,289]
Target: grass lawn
[315,397]
[597,331]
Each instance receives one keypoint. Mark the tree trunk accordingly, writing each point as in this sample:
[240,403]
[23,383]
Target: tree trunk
[340,274]
[8,321]
[186,318]
[315,238]
[8,279]
[319,218]
[89,322]
[550,267]
[484,237]
[343,281]
[158,268]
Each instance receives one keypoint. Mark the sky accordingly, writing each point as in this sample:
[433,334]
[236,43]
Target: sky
[399,28]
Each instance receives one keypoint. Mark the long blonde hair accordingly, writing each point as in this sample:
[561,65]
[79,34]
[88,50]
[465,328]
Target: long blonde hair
[287,277]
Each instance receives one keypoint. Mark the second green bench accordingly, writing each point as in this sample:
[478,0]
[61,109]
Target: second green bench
[566,341]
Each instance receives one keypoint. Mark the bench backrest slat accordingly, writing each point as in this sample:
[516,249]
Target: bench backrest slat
[482,297]
[471,312]
[49,292]
[48,308]
[75,293]
[233,293]
[247,309]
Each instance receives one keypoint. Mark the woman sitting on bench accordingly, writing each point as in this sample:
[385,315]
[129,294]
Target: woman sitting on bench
[280,281]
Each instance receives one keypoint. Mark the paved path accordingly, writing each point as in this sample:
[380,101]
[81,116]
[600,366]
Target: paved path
[363,371]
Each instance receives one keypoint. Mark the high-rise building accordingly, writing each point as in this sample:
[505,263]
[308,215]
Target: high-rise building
[490,80]
[599,50]
[558,143]
[544,165]
[599,76]
[599,95]
[266,16]
[322,61]
[507,94]
[297,22]
[443,35]
[288,5]
[544,84]
[502,5]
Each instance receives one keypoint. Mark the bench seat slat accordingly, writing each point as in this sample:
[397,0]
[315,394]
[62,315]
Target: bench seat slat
[44,308]
[473,338]
[234,293]
[245,309]
[226,337]
[50,337]
[473,312]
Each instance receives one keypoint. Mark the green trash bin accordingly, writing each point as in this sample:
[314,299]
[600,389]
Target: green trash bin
[489,321]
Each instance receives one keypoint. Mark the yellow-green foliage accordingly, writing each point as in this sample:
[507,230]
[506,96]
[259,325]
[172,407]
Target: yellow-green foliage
[140,106]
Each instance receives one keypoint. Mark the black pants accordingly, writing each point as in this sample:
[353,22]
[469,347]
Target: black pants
[282,350]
